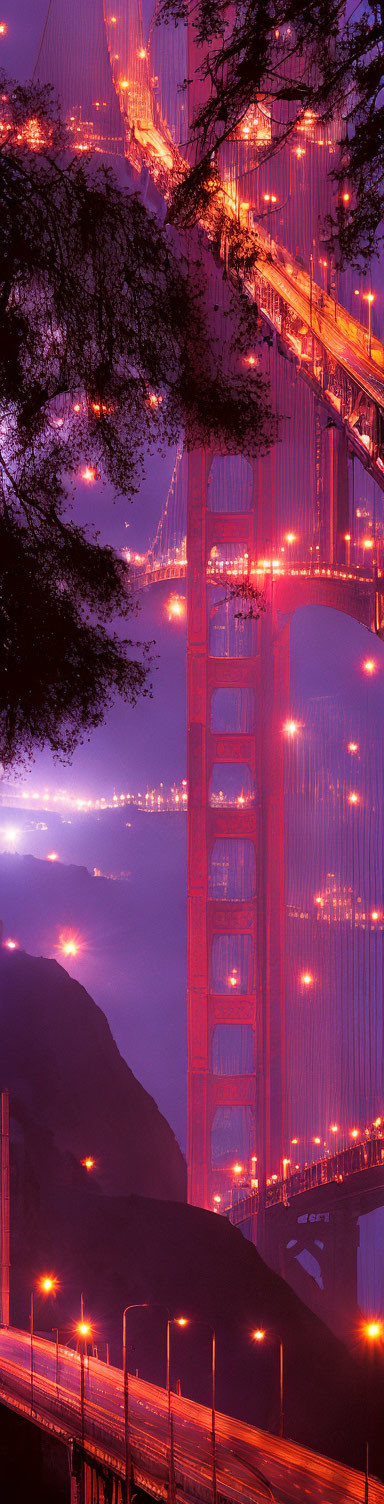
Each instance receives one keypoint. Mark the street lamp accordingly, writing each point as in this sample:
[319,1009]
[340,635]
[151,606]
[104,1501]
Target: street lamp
[139,1305]
[184,1321]
[258,1336]
[83,1330]
[47,1285]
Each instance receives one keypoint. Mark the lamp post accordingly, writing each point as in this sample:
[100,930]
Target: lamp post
[47,1284]
[259,1336]
[184,1321]
[369,298]
[55,1329]
[84,1330]
[137,1306]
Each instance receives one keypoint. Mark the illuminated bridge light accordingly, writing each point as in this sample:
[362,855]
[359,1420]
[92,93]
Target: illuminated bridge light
[354,1133]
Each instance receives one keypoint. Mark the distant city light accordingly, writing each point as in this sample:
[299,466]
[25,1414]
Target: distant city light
[251,360]
[3,29]
[237,1169]
[353,746]
[10,833]
[290,537]
[291,728]
[353,798]
[334,1128]
[294,1140]
[307,979]
[52,856]
[217,1200]
[142,53]
[233,979]
[368,543]
[375,914]
[89,1163]
[346,197]
[316,1141]
[11,944]
[354,1133]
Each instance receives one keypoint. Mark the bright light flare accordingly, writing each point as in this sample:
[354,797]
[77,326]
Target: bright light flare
[52,856]
[182,1321]
[369,666]
[176,608]
[69,945]
[11,944]
[291,728]
[306,979]
[258,1335]
[334,1128]
[353,746]
[353,798]
[83,1328]
[88,474]
[89,1163]
[375,914]
[47,1284]
[374,1330]
[290,537]
[354,1133]
[237,1169]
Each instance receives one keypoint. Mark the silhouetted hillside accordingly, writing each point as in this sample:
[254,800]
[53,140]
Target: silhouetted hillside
[58,1057]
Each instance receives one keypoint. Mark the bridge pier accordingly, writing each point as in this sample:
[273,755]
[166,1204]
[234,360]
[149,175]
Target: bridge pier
[91,1483]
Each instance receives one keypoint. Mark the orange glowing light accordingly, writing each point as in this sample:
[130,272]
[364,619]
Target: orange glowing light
[290,537]
[307,979]
[369,666]
[259,1335]
[299,151]
[11,944]
[318,898]
[217,1200]
[368,543]
[233,979]
[316,1140]
[69,945]
[176,608]
[291,728]
[124,83]
[294,1140]
[353,746]
[353,798]
[3,29]
[334,1128]
[182,1321]
[47,1283]
[346,197]
[251,360]
[347,537]
[89,1163]
[52,856]
[369,297]
[237,1169]
[375,914]
[88,474]
[142,53]
[354,1133]
[374,1330]
[84,1328]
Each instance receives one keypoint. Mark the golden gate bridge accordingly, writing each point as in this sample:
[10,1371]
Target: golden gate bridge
[305,525]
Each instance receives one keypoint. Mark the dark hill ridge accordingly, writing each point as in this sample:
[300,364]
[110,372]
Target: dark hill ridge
[59,1058]
[124,1250]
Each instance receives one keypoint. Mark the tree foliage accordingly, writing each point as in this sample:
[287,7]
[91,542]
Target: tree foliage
[109,346]
[296,55]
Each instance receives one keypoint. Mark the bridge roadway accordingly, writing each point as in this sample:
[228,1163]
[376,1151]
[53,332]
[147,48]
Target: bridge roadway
[252,1465]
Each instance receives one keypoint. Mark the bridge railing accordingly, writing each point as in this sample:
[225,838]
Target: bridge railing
[368,1154]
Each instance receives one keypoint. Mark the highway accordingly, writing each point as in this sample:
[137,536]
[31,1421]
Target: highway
[252,1465]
